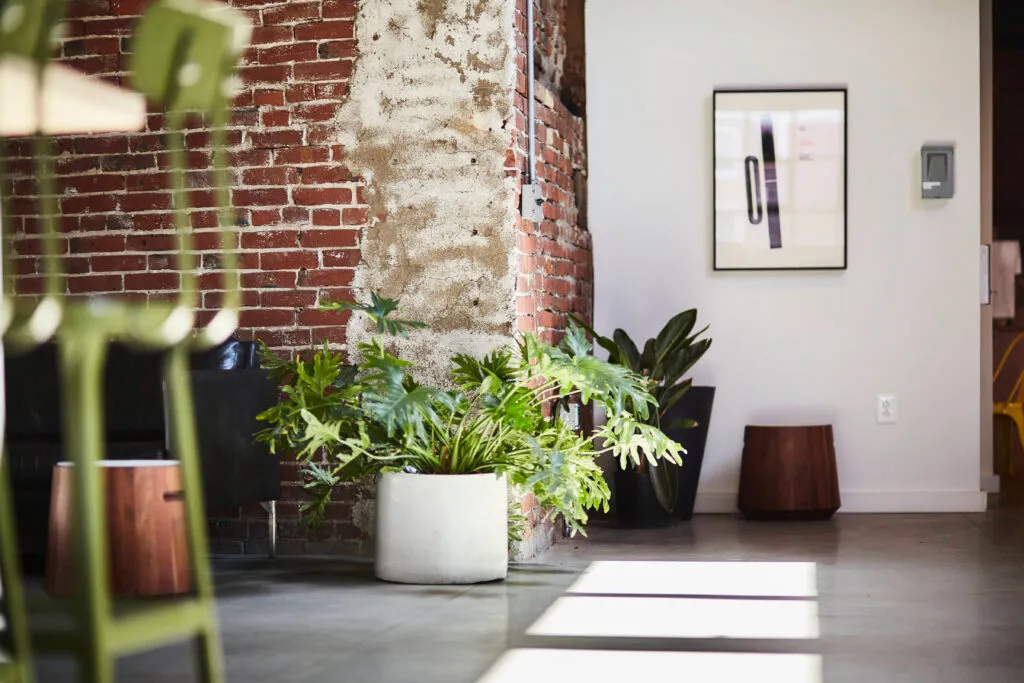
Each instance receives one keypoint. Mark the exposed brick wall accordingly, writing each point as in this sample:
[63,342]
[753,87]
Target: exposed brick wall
[555,255]
[299,212]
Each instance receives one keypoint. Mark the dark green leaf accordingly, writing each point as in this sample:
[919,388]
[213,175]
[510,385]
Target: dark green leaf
[629,355]
[665,480]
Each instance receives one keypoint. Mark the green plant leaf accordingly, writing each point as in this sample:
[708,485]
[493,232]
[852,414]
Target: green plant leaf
[674,333]
[604,342]
[665,480]
[378,311]
[629,355]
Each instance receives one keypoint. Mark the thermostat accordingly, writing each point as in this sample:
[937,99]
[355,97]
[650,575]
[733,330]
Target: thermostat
[937,171]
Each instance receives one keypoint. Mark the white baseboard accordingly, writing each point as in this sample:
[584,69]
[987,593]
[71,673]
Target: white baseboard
[724,502]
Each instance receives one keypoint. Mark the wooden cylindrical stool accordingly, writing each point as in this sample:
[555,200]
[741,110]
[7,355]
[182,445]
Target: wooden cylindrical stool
[789,473]
[146,529]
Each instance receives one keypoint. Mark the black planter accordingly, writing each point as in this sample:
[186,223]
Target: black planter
[695,405]
[636,505]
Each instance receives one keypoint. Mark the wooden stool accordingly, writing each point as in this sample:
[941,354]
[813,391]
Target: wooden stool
[145,525]
[789,473]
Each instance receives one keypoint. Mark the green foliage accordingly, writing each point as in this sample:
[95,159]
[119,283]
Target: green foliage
[663,362]
[375,417]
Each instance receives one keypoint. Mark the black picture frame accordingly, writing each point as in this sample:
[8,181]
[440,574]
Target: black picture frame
[760,202]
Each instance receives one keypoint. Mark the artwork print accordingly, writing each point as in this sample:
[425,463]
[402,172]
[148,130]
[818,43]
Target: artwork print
[780,179]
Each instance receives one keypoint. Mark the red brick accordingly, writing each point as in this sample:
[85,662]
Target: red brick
[145,201]
[335,335]
[302,155]
[260,217]
[266,317]
[275,175]
[312,317]
[355,216]
[326,217]
[275,138]
[287,260]
[89,8]
[128,7]
[330,238]
[325,175]
[336,69]
[331,91]
[291,12]
[338,49]
[103,264]
[150,242]
[201,219]
[334,277]
[315,113]
[96,203]
[269,97]
[146,181]
[91,46]
[279,338]
[102,145]
[264,197]
[270,239]
[341,258]
[262,35]
[325,30]
[295,214]
[251,157]
[310,196]
[264,74]
[148,281]
[336,9]
[88,284]
[288,298]
[152,221]
[280,278]
[301,92]
[295,52]
[275,118]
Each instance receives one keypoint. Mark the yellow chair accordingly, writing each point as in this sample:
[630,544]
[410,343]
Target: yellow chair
[1010,413]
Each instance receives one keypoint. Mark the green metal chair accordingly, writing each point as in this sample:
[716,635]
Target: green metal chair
[185,53]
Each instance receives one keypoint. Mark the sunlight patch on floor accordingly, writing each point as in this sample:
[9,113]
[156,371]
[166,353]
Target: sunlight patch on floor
[627,617]
[748,579]
[601,666]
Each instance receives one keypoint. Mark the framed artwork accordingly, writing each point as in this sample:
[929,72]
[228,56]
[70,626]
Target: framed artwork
[780,179]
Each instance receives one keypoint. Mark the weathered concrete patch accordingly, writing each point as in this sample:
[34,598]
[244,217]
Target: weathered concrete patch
[425,126]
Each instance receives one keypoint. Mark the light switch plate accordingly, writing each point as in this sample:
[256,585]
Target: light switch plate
[888,409]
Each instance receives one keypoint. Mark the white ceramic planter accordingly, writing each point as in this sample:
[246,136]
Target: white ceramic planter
[441,529]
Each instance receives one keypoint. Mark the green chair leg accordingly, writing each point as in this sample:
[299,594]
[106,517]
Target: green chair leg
[15,658]
[83,355]
[184,447]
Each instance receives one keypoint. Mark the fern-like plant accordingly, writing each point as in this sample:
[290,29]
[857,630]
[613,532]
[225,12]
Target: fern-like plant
[346,422]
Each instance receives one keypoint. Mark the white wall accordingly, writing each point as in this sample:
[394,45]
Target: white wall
[803,347]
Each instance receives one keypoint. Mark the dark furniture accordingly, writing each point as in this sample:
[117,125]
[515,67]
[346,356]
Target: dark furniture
[229,390]
[789,473]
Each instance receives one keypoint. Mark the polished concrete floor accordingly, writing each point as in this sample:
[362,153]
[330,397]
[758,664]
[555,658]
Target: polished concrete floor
[879,599]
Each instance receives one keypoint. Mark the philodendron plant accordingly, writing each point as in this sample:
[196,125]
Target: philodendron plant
[346,422]
[663,362]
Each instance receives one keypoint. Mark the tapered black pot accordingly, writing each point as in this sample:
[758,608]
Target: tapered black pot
[696,405]
[635,504]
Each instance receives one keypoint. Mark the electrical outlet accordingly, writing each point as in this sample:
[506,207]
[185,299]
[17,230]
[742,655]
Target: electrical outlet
[532,201]
[572,416]
[887,412]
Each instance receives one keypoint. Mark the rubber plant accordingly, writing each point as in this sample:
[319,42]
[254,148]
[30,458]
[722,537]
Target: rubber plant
[663,362]
[346,422]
